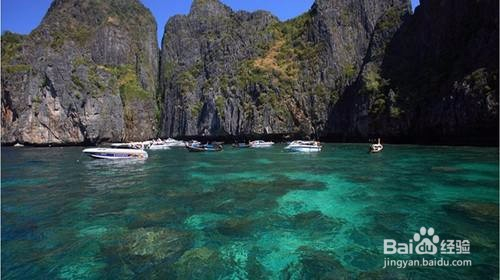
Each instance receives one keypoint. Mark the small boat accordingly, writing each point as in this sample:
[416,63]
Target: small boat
[304,146]
[18,145]
[115,153]
[159,146]
[376,148]
[260,144]
[132,145]
[195,147]
[174,143]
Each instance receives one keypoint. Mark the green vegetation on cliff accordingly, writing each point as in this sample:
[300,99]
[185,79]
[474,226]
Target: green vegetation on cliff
[77,34]
[281,64]
[11,47]
[128,83]
[219,104]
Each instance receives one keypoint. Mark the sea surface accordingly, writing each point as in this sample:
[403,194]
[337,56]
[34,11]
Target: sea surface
[245,213]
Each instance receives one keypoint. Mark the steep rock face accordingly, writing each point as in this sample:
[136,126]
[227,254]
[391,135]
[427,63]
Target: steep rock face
[443,66]
[87,74]
[355,115]
[435,82]
[201,55]
[227,73]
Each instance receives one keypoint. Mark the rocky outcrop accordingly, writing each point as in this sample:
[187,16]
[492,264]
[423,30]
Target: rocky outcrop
[436,80]
[355,115]
[345,70]
[200,62]
[87,74]
[443,64]
[238,73]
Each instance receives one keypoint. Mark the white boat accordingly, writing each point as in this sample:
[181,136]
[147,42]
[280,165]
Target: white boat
[156,145]
[304,146]
[376,148]
[174,143]
[260,144]
[132,145]
[113,153]
[159,146]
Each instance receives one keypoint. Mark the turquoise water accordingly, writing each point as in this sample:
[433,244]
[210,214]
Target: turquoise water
[243,213]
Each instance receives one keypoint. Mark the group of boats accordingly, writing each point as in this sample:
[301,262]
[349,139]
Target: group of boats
[132,150]
[158,144]
[254,144]
[137,150]
[295,146]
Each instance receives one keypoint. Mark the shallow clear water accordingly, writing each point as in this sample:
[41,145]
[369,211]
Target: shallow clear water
[243,213]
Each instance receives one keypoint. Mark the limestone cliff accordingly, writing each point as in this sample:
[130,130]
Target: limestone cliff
[247,74]
[87,74]
[434,81]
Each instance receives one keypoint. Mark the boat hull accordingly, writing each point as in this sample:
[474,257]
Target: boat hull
[203,148]
[305,149]
[104,153]
[304,146]
[159,147]
[261,146]
[174,143]
[376,148]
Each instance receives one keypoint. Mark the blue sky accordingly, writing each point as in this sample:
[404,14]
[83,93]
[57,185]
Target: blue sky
[22,16]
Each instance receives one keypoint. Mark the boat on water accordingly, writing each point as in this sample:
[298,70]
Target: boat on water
[196,147]
[260,144]
[376,148]
[174,143]
[116,153]
[132,145]
[304,146]
[159,145]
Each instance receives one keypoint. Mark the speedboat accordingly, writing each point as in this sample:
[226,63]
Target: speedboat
[115,153]
[376,148]
[159,145]
[260,144]
[132,145]
[196,147]
[174,143]
[304,146]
